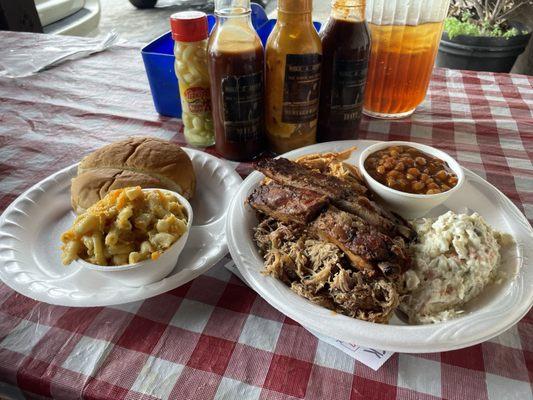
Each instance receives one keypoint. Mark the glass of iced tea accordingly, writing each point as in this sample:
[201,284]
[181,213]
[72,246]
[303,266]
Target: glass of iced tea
[405,40]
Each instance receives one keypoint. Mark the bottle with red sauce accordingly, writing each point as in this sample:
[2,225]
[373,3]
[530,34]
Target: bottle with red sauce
[346,50]
[236,69]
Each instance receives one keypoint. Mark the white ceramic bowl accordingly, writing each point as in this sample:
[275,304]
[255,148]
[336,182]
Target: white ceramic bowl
[410,205]
[147,271]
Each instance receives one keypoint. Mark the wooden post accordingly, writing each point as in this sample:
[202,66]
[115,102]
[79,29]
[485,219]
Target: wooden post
[19,15]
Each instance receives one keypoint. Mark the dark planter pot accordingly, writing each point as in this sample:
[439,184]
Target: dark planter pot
[144,3]
[481,53]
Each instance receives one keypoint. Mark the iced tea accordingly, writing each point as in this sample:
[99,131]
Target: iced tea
[401,62]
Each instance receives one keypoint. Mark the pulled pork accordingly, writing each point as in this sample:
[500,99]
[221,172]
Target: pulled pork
[320,272]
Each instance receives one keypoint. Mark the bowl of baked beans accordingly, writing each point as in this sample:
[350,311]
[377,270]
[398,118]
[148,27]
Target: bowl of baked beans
[412,178]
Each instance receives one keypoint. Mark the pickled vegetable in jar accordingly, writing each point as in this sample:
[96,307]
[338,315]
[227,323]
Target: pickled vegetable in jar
[190,32]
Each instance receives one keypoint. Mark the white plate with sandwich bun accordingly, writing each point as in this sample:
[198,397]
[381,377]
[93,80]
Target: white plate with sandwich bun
[31,227]
[500,304]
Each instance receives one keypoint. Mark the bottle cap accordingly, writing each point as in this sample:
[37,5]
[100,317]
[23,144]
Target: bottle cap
[189,26]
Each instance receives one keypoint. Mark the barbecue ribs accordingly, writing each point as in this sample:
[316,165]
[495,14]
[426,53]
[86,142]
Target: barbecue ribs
[331,209]
[286,204]
[363,245]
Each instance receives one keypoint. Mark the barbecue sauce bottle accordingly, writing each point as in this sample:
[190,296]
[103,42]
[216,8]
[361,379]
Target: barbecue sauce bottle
[293,60]
[236,69]
[346,50]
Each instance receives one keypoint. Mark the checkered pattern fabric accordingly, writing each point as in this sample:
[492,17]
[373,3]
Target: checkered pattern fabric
[214,338]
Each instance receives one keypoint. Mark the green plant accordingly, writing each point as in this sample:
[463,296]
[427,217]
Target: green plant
[482,17]
[465,26]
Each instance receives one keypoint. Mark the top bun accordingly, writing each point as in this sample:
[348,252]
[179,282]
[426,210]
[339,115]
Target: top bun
[139,161]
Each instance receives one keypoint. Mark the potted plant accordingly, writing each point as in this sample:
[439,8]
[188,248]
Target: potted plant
[478,35]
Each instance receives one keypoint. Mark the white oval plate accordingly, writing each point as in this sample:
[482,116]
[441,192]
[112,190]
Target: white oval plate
[30,230]
[495,310]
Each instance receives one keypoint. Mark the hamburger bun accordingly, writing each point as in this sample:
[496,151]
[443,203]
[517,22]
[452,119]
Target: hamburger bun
[140,161]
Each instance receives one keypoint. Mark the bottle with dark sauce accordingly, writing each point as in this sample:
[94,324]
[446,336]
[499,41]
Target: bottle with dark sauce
[236,69]
[346,50]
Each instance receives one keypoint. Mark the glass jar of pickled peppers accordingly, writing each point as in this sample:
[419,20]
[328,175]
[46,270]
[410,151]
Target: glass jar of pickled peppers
[190,32]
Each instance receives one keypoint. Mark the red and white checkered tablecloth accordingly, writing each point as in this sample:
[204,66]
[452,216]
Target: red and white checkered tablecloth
[214,337]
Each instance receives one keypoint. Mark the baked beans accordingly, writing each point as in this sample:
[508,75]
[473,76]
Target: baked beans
[410,170]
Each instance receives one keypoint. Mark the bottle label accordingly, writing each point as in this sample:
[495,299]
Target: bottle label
[242,98]
[301,88]
[347,90]
[198,100]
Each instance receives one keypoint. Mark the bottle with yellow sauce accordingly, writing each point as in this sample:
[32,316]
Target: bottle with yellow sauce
[293,63]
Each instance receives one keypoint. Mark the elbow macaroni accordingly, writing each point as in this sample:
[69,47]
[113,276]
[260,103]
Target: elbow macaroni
[126,226]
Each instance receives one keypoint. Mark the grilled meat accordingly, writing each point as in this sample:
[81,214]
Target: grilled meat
[364,246]
[286,204]
[333,164]
[292,174]
[329,242]
[320,272]
[341,193]
[364,209]
[380,219]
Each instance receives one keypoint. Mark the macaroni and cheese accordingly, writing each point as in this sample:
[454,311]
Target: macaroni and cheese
[127,226]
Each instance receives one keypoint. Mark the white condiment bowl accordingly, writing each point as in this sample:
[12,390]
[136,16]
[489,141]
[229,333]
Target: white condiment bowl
[410,205]
[147,271]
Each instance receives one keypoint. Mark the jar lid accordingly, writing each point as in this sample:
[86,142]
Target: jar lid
[189,26]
